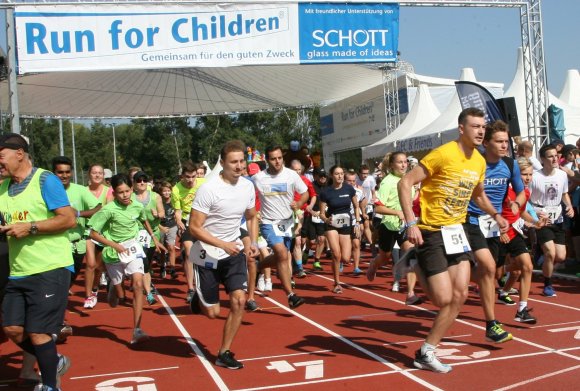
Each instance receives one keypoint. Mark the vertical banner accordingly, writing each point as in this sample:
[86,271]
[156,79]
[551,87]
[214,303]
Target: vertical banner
[473,95]
[151,36]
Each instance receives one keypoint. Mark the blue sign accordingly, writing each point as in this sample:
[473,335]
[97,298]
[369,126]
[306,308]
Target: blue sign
[348,33]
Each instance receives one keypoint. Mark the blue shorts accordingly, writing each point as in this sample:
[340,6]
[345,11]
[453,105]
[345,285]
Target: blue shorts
[267,232]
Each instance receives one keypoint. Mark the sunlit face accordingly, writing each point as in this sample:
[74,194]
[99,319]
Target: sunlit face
[188,179]
[275,161]
[123,193]
[96,175]
[527,174]
[350,179]
[497,147]
[63,172]
[338,176]
[550,158]
[140,184]
[9,161]
[472,131]
[297,167]
[200,173]
[399,165]
[233,165]
[166,193]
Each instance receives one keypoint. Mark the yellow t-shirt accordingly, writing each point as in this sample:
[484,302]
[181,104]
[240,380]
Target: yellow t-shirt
[447,192]
[182,197]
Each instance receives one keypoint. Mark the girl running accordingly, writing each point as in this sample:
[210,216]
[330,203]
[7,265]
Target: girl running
[168,229]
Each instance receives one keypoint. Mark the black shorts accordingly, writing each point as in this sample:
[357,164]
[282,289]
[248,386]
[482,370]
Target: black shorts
[78,264]
[341,231]
[554,232]
[37,302]
[231,272]
[310,229]
[516,247]
[375,222]
[477,241]
[387,238]
[186,236]
[431,254]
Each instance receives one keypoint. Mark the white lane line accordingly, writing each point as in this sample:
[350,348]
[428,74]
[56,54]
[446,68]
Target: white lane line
[554,324]
[554,304]
[422,340]
[357,347]
[547,375]
[208,367]
[122,373]
[285,355]
[457,320]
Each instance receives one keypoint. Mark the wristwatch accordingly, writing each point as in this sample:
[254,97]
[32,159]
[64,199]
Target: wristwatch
[33,228]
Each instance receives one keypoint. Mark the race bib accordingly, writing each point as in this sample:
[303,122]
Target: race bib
[144,238]
[134,251]
[488,226]
[316,220]
[554,213]
[454,239]
[283,228]
[519,226]
[206,255]
[340,220]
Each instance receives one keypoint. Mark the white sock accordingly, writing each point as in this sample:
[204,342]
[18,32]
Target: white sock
[522,305]
[425,347]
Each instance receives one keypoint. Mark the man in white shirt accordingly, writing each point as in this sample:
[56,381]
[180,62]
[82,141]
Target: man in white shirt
[368,184]
[218,255]
[276,186]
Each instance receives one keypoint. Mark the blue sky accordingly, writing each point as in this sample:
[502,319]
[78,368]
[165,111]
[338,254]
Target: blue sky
[439,41]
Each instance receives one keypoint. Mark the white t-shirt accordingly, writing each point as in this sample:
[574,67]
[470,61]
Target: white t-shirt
[547,190]
[224,205]
[360,197]
[276,193]
[368,186]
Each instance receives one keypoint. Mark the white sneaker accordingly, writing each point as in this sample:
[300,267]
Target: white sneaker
[430,361]
[103,281]
[261,283]
[139,336]
[395,287]
[90,302]
[268,285]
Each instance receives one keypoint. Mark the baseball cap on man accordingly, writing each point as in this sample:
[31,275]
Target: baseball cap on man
[13,141]
[319,172]
[140,174]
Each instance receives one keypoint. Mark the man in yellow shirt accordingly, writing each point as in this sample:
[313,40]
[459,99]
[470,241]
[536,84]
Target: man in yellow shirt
[451,176]
[182,196]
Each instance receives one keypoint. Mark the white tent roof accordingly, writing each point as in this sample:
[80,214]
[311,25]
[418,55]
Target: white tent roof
[423,112]
[187,91]
[571,91]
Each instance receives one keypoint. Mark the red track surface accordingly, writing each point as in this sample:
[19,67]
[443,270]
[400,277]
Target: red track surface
[362,339]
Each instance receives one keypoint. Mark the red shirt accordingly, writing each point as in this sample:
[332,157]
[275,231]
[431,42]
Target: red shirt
[311,192]
[507,210]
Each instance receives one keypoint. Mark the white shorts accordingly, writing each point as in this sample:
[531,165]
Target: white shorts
[118,270]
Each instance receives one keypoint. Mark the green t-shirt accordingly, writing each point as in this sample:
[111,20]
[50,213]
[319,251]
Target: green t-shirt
[118,223]
[390,198]
[149,208]
[81,199]
[182,197]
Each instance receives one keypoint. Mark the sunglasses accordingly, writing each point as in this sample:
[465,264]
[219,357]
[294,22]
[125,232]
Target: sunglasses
[140,181]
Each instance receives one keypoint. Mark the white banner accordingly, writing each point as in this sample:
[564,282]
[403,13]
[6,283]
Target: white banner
[149,36]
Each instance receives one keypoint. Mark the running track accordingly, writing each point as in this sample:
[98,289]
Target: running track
[362,339]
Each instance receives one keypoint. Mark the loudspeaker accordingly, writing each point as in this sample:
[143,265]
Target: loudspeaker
[508,108]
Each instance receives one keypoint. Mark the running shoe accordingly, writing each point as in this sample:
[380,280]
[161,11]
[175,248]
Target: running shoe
[356,271]
[194,303]
[317,265]
[227,360]
[496,334]
[65,332]
[430,362]
[189,296]
[413,300]
[268,285]
[103,280]
[505,299]
[139,336]
[150,298]
[112,298]
[292,283]
[549,291]
[261,283]
[513,291]
[395,287]
[301,273]
[337,289]
[524,316]
[62,366]
[295,301]
[252,306]
[90,302]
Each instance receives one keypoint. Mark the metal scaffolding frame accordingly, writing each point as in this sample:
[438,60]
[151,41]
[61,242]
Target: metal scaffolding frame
[531,33]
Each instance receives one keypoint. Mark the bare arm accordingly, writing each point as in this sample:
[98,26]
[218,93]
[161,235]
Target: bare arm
[196,221]
[416,175]
[480,198]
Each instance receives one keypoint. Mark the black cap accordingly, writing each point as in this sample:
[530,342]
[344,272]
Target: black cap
[140,174]
[13,141]
[319,172]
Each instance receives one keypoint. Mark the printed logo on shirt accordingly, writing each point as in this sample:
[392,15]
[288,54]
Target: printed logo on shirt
[276,189]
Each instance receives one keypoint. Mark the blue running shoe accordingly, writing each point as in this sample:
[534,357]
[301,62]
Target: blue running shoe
[549,291]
